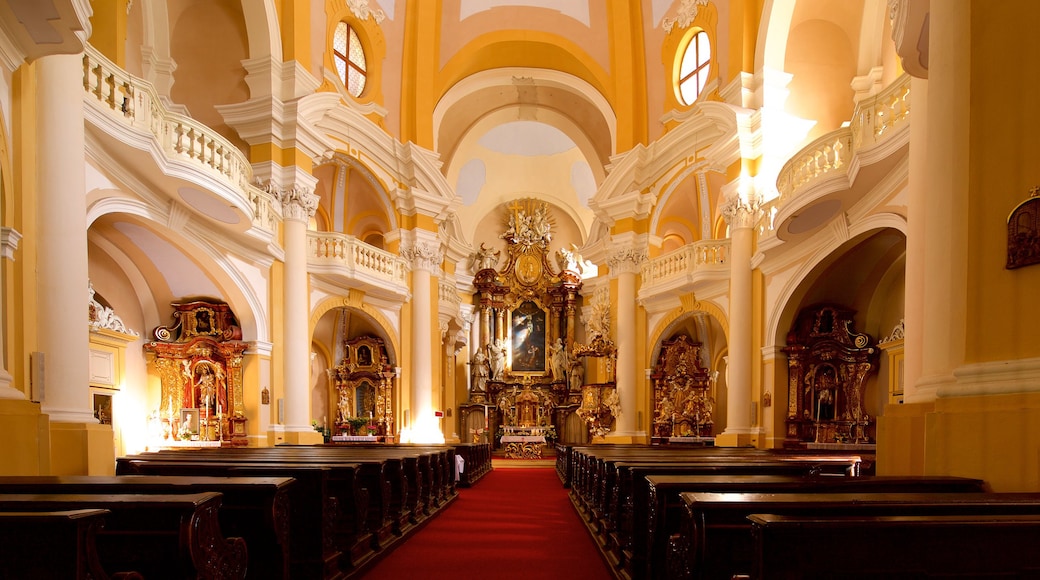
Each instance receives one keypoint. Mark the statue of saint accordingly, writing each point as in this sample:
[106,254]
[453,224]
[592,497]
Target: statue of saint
[480,371]
[498,359]
[559,360]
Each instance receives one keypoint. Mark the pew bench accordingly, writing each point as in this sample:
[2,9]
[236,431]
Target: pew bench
[68,551]
[657,507]
[253,508]
[313,510]
[156,535]
[922,546]
[715,539]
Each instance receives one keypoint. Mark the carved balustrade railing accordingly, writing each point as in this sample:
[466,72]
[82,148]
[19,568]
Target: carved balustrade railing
[447,294]
[353,258]
[686,262]
[134,103]
[875,121]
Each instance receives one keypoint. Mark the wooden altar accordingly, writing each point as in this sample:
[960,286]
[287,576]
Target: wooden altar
[362,386]
[199,363]
[828,367]
[683,391]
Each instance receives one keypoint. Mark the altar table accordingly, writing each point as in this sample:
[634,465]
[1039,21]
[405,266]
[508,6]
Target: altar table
[523,446]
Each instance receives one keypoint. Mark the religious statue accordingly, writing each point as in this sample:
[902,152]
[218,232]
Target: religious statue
[577,374]
[597,323]
[498,359]
[344,405]
[480,370]
[559,360]
[207,387]
[485,258]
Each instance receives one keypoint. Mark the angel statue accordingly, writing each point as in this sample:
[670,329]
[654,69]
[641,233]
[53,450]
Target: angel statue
[485,258]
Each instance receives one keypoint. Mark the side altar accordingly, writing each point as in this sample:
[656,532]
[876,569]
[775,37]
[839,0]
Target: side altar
[527,369]
[199,363]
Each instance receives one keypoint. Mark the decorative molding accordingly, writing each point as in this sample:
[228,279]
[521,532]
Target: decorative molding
[298,201]
[627,260]
[9,238]
[993,378]
[360,9]
[741,213]
[685,16]
[423,255]
[898,333]
[103,317]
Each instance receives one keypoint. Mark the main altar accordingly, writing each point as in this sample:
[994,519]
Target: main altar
[528,369]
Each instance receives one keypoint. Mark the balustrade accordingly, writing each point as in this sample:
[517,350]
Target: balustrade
[134,103]
[353,257]
[875,121]
[705,255]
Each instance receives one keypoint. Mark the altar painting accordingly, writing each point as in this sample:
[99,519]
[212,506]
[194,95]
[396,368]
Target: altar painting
[527,327]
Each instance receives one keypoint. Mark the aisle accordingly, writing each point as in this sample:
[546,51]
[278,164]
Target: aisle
[514,523]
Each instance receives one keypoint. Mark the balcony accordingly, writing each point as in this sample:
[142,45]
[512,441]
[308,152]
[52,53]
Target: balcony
[345,261]
[685,269]
[184,159]
[837,170]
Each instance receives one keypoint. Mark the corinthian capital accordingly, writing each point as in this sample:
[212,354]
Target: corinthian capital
[423,255]
[298,203]
[627,260]
[740,212]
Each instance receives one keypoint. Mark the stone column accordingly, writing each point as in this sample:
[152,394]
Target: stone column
[9,238]
[298,206]
[946,217]
[917,209]
[424,253]
[741,215]
[79,445]
[625,265]
[61,271]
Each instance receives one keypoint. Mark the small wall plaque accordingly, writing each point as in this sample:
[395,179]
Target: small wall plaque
[1024,232]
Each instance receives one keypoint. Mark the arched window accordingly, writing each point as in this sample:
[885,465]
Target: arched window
[349,56]
[693,72]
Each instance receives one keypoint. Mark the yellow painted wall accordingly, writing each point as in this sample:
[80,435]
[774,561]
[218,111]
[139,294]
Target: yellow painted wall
[26,436]
[1003,309]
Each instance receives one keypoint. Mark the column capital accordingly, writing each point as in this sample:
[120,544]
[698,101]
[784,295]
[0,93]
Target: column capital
[298,201]
[740,212]
[422,250]
[627,260]
[626,252]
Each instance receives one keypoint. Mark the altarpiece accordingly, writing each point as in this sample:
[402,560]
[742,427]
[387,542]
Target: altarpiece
[525,379]
[828,366]
[684,397]
[362,386]
[199,363]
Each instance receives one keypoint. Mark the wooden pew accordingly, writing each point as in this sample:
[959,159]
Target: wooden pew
[657,506]
[253,508]
[158,536]
[68,549]
[356,490]
[860,547]
[313,552]
[392,478]
[715,538]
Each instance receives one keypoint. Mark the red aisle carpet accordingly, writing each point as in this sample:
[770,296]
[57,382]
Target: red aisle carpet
[514,523]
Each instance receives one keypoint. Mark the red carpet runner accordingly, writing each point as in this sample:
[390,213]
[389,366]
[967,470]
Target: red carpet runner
[514,523]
